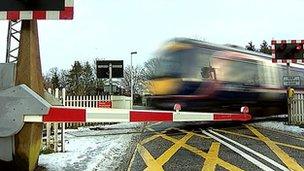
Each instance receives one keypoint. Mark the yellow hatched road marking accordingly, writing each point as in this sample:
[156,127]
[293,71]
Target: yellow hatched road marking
[148,158]
[290,146]
[199,152]
[286,133]
[211,159]
[132,160]
[151,138]
[285,158]
[159,162]
[144,153]
[238,134]
[173,149]
[255,138]
[199,135]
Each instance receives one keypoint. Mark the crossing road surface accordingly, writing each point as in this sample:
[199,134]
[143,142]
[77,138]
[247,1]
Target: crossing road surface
[176,146]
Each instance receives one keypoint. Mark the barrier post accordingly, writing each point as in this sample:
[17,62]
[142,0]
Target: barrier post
[28,140]
[290,96]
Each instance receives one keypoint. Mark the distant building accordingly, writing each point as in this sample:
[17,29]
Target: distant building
[116,88]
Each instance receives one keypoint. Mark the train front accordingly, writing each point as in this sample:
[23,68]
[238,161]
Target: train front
[179,70]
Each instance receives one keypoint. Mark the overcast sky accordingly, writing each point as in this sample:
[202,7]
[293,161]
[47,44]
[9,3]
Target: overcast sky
[111,29]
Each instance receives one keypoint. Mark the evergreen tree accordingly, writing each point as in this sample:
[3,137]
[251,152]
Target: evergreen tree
[88,80]
[74,80]
[63,78]
[99,83]
[55,78]
[265,48]
[250,46]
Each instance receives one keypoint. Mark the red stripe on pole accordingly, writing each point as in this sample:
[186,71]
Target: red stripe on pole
[39,15]
[61,114]
[13,15]
[294,61]
[293,41]
[231,117]
[138,116]
[67,14]
[274,61]
[273,42]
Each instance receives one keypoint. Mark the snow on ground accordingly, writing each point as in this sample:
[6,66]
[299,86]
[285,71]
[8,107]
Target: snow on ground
[103,148]
[281,126]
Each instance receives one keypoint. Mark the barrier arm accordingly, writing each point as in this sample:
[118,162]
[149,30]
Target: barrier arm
[79,114]
[20,104]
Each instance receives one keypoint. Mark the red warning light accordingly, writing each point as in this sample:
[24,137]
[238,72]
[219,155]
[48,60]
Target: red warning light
[283,46]
[299,47]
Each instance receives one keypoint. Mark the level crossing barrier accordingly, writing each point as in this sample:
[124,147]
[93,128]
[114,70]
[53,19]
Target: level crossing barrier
[28,106]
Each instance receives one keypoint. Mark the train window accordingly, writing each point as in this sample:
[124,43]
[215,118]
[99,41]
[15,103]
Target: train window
[237,71]
[177,63]
[271,75]
[208,73]
[202,67]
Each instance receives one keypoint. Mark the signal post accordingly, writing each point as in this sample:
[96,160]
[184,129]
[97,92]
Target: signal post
[288,51]
[27,142]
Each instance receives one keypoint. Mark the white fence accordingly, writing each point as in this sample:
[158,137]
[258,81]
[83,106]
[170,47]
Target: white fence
[52,140]
[297,109]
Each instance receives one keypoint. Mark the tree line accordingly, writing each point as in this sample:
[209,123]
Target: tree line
[264,47]
[81,79]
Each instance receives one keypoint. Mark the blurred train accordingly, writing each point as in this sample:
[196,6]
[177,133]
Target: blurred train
[202,76]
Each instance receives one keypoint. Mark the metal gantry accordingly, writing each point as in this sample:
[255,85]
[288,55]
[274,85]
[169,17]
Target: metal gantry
[13,40]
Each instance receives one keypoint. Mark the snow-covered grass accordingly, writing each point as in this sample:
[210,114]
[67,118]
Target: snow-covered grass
[88,149]
[281,126]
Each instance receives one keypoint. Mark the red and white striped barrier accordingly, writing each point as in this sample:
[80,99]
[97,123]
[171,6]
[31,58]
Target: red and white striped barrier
[66,14]
[73,114]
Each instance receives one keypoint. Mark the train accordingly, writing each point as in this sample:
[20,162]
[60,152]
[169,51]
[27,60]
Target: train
[207,77]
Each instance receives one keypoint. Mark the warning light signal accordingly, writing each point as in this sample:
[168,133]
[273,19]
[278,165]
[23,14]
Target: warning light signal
[289,51]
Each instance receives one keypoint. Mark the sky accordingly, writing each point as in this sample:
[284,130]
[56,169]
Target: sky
[111,30]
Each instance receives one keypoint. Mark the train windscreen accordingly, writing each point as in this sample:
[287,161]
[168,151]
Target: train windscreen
[183,63]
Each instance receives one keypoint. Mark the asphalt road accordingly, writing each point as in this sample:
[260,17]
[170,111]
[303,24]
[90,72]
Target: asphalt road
[209,146]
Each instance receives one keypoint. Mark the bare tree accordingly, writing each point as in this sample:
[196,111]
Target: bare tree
[150,68]
[138,80]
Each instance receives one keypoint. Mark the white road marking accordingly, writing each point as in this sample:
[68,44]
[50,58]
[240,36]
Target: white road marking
[246,156]
[252,151]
